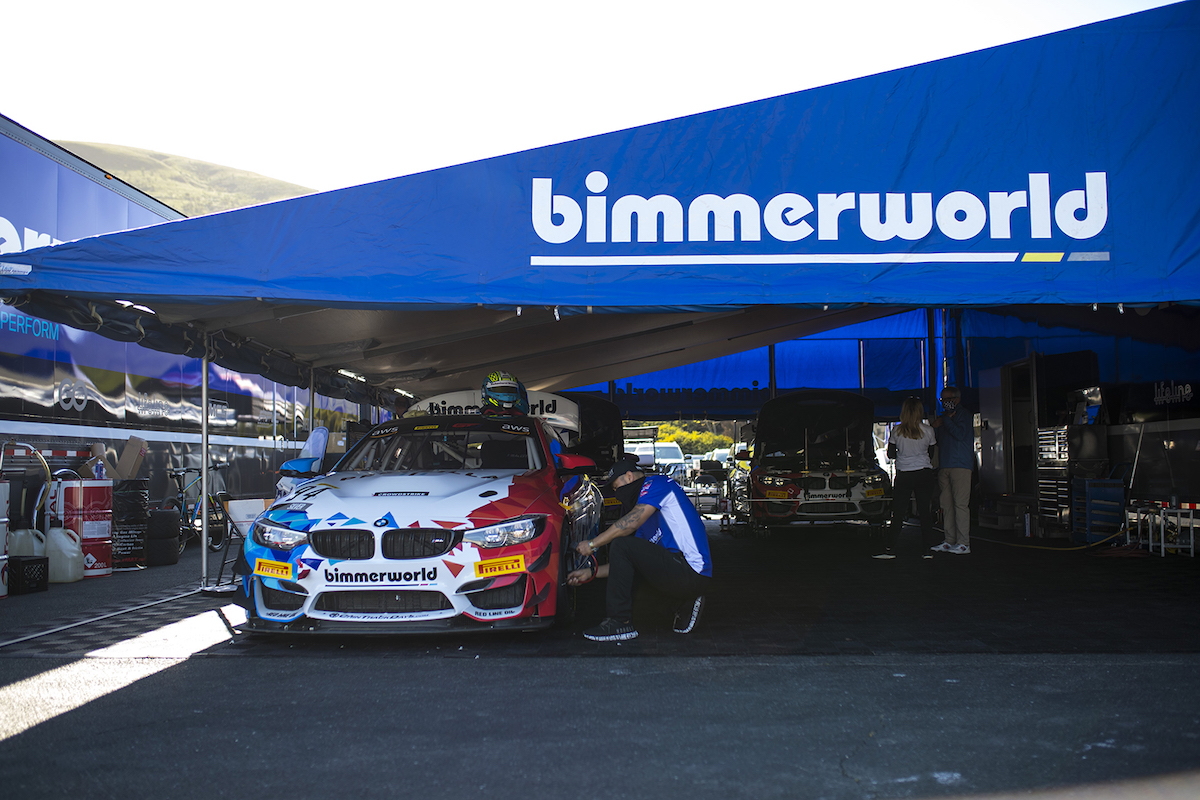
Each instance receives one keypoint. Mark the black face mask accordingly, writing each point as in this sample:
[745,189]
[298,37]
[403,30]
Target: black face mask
[628,495]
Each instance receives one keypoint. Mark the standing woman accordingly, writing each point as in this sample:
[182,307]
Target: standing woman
[909,444]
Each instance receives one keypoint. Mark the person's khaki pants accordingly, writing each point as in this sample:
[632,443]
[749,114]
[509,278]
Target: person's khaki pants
[955,484]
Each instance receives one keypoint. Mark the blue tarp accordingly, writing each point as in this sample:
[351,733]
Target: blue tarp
[886,359]
[1061,169]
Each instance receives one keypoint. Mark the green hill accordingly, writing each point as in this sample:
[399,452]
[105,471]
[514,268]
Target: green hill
[189,186]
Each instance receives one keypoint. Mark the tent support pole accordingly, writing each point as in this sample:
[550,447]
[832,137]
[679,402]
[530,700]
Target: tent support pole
[771,370]
[312,397]
[931,359]
[204,465]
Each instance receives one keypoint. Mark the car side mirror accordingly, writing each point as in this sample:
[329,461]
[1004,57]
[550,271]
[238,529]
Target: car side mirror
[574,464]
[301,468]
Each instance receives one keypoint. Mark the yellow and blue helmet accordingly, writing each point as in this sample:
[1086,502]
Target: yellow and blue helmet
[502,390]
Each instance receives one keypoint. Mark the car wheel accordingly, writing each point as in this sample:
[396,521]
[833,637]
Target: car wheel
[564,606]
[161,553]
[181,537]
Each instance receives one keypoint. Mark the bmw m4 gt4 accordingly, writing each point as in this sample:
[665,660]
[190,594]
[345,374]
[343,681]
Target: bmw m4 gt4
[428,524]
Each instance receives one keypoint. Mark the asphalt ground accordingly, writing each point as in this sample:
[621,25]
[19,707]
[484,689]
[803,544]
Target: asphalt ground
[816,671]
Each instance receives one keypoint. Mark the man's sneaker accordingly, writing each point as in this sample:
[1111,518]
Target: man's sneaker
[611,630]
[687,617]
[960,549]
[944,547]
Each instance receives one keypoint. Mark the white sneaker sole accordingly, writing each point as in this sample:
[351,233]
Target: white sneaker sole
[615,637]
[693,617]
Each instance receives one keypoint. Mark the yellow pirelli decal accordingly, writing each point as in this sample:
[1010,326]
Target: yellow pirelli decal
[772,494]
[273,569]
[496,567]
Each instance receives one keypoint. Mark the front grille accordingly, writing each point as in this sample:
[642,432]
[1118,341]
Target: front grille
[828,508]
[281,601]
[343,544]
[417,543]
[873,507]
[381,602]
[509,596]
[813,483]
[842,482]
[777,508]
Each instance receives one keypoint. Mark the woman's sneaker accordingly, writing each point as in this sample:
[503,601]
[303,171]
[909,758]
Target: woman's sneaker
[687,616]
[960,549]
[611,630]
[944,547]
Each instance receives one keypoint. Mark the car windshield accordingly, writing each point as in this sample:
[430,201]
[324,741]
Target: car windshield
[821,429]
[425,443]
[668,451]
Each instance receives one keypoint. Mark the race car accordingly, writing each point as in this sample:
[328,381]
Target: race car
[428,524]
[813,463]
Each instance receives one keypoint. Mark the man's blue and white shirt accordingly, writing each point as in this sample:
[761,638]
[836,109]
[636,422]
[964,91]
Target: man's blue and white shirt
[677,526]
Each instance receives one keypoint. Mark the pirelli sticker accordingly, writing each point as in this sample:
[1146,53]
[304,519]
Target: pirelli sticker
[273,569]
[495,567]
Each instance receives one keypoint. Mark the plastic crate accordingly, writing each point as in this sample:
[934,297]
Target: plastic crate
[1097,509]
[27,574]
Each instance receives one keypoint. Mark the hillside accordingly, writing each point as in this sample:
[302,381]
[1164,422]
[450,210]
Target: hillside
[189,186]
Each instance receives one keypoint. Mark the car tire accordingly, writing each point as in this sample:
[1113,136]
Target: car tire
[564,605]
[161,552]
[164,524]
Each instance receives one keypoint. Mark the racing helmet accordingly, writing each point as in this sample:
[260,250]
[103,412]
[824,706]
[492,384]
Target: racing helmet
[502,391]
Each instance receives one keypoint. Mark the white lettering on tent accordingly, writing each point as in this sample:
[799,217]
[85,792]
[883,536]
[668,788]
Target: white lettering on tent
[10,240]
[829,208]
[546,204]
[784,217]
[1092,200]
[648,211]
[34,239]
[597,208]
[958,215]
[1000,208]
[974,215]
[896,222]
[723,211]
[1039,205]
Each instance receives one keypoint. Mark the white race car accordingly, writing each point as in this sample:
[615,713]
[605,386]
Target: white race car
[431,523]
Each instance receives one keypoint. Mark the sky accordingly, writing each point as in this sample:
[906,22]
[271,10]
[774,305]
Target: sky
[335,94]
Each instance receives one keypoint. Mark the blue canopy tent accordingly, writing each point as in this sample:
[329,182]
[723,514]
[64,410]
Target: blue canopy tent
[1051,174]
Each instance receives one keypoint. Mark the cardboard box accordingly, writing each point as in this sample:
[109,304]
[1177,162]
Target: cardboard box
[131,458]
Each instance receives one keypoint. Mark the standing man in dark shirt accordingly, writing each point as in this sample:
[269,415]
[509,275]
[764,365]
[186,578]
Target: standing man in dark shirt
[956,459]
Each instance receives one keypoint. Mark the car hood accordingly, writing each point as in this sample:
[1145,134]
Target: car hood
[442,499]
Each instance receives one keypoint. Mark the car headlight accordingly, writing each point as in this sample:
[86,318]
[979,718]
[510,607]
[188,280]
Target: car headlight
[276,536]
[503,534]
[878,479]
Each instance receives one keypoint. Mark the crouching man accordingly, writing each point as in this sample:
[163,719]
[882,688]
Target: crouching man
[659,540]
